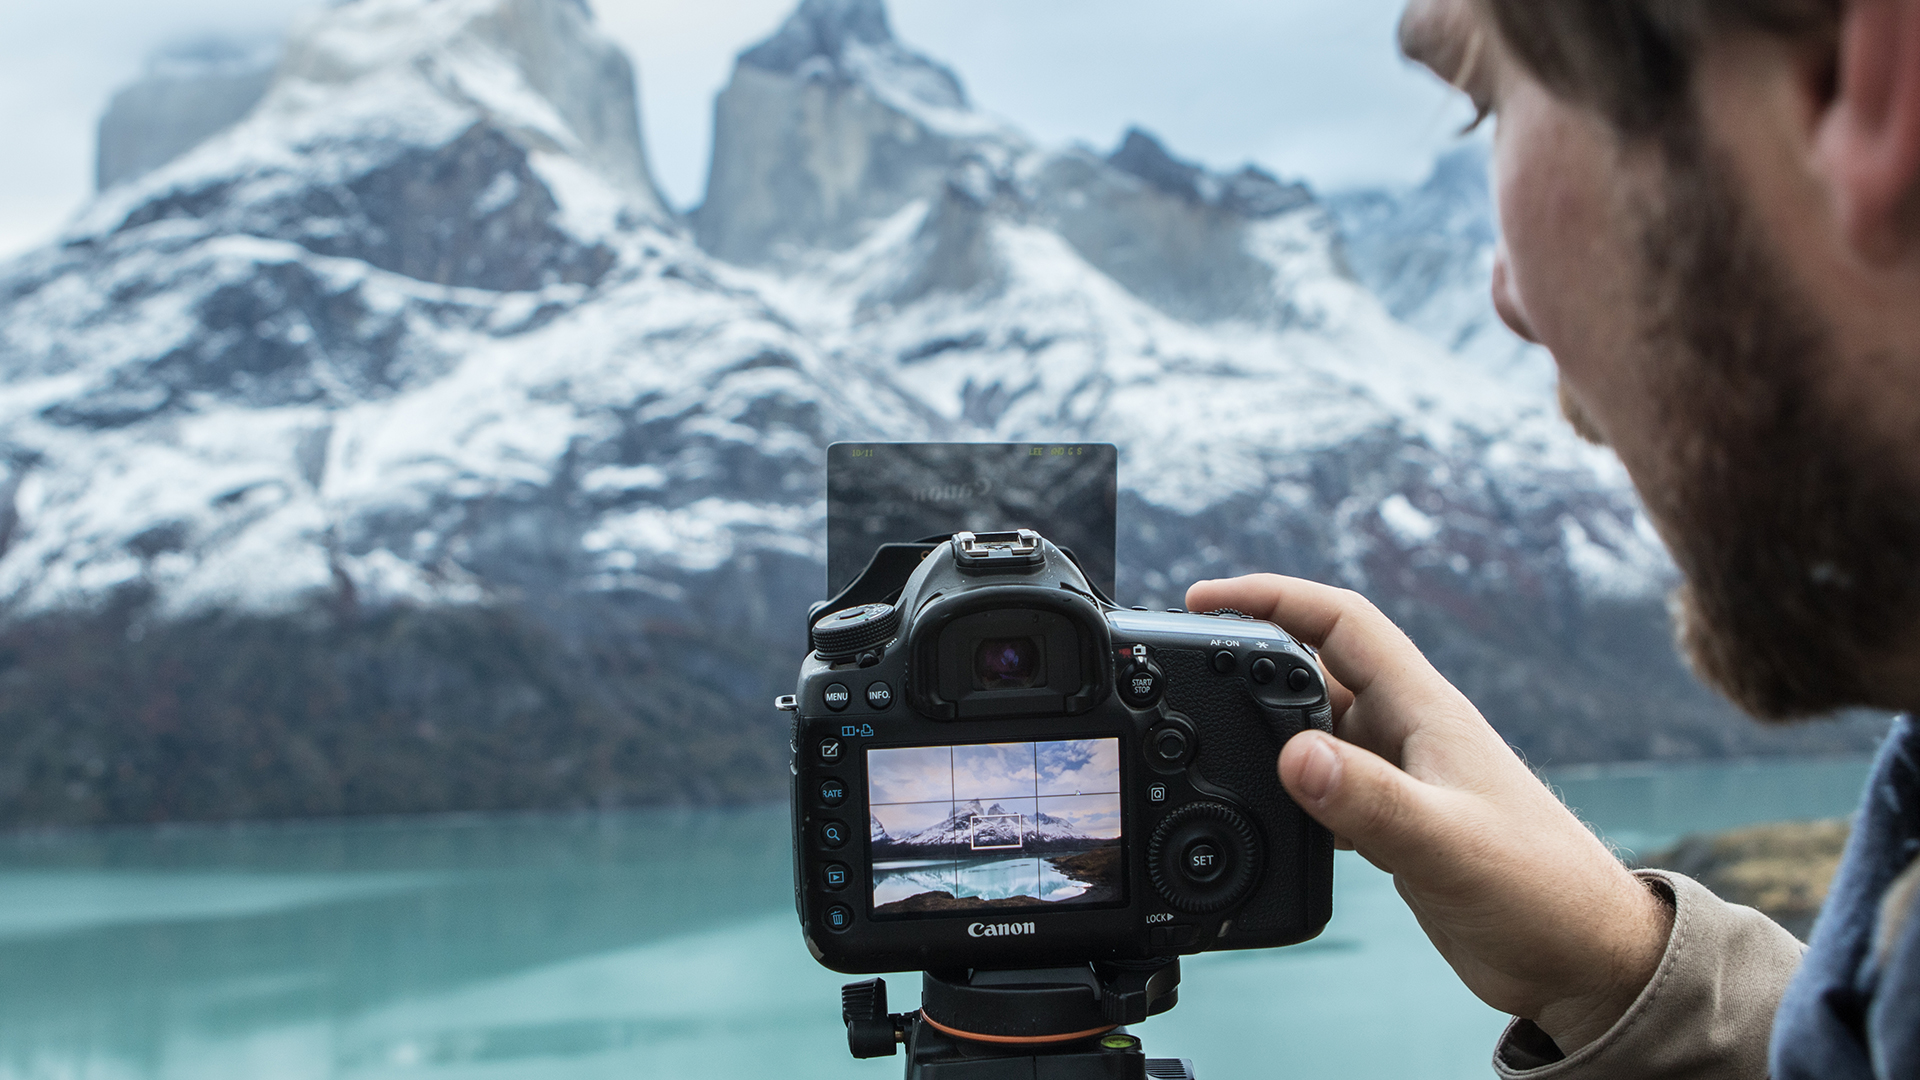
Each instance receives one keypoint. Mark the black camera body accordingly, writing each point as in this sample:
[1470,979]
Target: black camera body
[999,768]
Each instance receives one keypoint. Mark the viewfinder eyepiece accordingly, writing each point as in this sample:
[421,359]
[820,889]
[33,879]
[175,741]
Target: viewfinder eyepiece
[1009,664]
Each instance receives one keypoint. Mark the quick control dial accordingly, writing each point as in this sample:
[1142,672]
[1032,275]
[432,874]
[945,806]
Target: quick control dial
[1204,857]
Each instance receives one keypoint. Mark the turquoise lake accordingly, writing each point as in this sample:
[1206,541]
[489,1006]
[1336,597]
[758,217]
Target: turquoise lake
[654,944]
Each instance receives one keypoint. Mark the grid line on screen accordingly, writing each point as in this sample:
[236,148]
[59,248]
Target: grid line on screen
[1005,823]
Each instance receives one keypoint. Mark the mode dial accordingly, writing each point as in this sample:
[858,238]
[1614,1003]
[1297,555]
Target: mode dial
[844,635]
[1204,857]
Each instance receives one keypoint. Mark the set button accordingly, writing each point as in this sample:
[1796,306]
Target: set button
[1203,863]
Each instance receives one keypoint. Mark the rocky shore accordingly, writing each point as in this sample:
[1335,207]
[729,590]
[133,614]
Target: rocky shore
[1782,868]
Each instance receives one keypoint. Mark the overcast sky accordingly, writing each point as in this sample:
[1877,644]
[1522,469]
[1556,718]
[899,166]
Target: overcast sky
[1304,88]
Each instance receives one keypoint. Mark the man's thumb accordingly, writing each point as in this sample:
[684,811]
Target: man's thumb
[1357,794]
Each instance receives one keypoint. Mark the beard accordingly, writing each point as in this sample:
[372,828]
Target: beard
[1797,534]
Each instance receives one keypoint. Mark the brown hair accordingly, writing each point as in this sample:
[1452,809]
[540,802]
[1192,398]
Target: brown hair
[1633,59]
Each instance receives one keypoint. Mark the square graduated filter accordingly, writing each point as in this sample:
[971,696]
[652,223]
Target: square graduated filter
[998,826]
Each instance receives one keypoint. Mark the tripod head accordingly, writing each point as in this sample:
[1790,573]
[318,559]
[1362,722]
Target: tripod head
[1060,1023]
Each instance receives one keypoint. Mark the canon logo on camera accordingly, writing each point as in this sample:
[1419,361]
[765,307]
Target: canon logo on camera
[1005,929]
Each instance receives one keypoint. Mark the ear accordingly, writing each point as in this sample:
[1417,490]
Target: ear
[1867,141]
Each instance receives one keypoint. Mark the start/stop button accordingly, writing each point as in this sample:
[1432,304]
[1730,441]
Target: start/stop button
[1140,679]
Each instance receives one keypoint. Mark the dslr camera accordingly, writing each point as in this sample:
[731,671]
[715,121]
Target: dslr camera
[996,767]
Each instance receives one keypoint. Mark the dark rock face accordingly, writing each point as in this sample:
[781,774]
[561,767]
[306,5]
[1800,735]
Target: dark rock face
[470,213]
[1173,234]
[285,336]
[1248,193]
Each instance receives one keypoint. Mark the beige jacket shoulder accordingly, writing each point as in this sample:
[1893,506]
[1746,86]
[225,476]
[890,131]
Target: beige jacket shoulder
[1706,1014]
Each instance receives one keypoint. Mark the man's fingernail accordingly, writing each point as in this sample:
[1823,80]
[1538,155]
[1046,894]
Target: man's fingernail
[1321,769]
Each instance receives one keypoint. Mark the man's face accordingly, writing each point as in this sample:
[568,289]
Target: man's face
[1656,279]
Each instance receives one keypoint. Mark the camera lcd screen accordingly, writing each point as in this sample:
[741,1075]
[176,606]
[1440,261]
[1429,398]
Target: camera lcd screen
[898,493]
[1000,826]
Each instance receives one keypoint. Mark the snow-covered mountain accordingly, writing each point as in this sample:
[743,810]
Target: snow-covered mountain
[1428,255]
[417,338]
[974,825]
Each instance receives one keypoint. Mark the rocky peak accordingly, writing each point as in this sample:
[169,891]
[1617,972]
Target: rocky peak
[538,68]
[187,95]
[851,41]
[1251,192]
[821,28]
[491,144]
[828,127]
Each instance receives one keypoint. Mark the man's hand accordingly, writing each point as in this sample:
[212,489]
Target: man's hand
[1536,916]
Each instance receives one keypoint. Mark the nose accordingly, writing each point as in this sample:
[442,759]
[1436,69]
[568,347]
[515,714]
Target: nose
[1505,300]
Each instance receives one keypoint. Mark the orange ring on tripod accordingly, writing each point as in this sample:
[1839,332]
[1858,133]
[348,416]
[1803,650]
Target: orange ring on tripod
[1016,1040]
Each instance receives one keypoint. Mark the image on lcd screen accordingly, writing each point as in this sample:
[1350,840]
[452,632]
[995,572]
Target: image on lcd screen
[998,826]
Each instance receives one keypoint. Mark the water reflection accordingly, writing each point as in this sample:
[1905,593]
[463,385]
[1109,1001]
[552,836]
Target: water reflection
[987,879]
